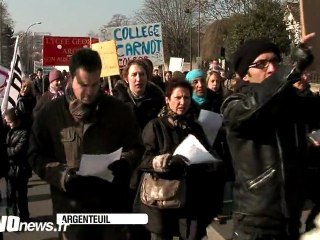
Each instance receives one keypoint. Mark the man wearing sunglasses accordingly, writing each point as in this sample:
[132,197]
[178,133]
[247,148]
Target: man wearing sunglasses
[266,123]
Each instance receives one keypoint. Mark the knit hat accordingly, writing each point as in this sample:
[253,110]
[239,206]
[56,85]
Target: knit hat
[249,51]
[54,75]
[195,73]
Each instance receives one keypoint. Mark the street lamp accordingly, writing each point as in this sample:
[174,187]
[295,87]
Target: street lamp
[104,34]
[36,23]
[26,33]
[190,23]
[199,16]
[1,18]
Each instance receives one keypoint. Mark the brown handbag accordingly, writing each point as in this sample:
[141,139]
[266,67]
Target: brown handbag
[162,193]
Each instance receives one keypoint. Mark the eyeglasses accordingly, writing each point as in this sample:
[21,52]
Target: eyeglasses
[264,63]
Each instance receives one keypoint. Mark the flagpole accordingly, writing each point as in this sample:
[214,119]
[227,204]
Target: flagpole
[5,100]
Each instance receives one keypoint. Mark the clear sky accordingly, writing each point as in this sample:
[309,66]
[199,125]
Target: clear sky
[68,17]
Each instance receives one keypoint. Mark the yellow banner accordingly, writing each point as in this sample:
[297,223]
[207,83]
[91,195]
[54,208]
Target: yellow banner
[108,53]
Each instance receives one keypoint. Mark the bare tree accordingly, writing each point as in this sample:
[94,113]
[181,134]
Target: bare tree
[219,9]
[6,35]
[117,20]
[175,20]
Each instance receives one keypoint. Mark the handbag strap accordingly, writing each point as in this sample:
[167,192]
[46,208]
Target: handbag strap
[171,142]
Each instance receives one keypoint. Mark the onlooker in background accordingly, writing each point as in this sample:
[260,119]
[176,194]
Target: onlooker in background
[55,90]
[26,102]
[215,83]
[215,65]
[313,165]
[230,83]
[86,122]
[37,82]
[3,156]
[41,83]
[153,74]
[178,76]
[156,72]
[203,98]
[167,76]
[207,99]
[145,99]
[19,168]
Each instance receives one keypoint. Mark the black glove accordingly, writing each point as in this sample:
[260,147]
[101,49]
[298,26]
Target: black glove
[302,56]
[72,182]
[119,167]
[178,164]
[121,172]
[80,186]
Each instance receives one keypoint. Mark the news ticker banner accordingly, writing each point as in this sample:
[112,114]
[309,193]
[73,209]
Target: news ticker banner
[114,219]
[58,50]
[13,223]
[138,41]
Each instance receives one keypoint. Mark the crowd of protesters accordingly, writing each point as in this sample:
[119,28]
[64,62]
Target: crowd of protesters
[262,146]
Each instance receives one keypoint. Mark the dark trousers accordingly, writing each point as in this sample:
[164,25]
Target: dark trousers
[137,232]
[18,197]
[188,230]
[243,231]
[256,236]
[90,232]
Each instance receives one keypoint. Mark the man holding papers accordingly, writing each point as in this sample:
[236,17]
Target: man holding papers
[86,145]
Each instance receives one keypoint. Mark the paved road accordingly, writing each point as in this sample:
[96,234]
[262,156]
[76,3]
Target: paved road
[40,208]
[41,211]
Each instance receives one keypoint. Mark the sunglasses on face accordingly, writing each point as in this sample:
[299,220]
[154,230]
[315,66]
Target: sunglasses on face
[264,63]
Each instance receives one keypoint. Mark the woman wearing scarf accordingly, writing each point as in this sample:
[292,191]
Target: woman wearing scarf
[207,99]
[161,137]
[26,102]
[202,97]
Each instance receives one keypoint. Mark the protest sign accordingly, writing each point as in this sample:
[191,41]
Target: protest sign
[58,50]
[108,54]
[310,23]
[138,42]
[176,64]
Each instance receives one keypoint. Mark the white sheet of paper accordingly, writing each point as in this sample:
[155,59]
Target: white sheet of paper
[97,165]
[193,150]
[210,122]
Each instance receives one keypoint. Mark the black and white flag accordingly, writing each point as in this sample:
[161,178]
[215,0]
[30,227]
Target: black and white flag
[14,81]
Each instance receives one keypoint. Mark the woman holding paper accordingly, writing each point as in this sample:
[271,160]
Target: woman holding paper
[161,137]
[208,95]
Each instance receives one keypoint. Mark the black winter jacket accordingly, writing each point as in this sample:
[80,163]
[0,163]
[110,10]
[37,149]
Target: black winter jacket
[145,108]
[266,133]
[17,145]
[201,203]
[3,150]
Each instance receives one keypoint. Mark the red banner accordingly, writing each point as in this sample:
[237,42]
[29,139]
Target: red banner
[58,50]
